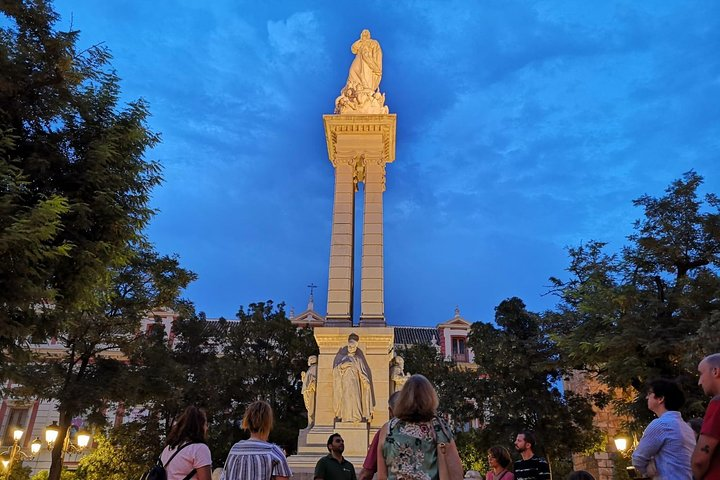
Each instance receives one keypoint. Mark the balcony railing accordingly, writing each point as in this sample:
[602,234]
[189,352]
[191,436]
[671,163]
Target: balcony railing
[460,357]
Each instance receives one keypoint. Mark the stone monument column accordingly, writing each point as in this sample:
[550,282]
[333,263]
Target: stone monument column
[372,301]
[359,146]
[342,265]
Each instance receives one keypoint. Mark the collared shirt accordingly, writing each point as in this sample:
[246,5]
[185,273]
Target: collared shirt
[328,468]
[256,460]
[534,468]
[670,441]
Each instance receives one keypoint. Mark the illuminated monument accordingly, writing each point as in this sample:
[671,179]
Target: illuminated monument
[351,380]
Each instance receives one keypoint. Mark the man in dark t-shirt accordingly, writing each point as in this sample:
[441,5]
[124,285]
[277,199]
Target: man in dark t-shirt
[530,466]
[334,466]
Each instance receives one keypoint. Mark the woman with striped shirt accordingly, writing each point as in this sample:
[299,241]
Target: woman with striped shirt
[256,458]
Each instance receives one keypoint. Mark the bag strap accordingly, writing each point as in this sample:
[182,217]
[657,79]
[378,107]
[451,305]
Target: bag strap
[190,475]
[442,427]
[176,452]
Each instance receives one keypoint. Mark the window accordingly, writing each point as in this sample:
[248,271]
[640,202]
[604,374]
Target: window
[458,349]
[17,417]
[458,346]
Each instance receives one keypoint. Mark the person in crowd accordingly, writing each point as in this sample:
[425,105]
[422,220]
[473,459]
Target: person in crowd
[706,457]
[500,464]
[667,440]
[530,466]
[409,443]
[256,458]
[370,464]
[186,450]
[696,425]
[334,466]
[580,475]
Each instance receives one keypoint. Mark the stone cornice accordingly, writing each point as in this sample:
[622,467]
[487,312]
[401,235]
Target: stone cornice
[376,339]
[381,127]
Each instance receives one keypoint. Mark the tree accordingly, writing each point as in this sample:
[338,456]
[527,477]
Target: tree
[75,191]
[650,310]
[75,183]
[519,386]
[110,460]
[265,355]
[221,366]
[92,368]
[458,389]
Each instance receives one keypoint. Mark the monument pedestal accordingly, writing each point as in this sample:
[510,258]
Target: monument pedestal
[376,344]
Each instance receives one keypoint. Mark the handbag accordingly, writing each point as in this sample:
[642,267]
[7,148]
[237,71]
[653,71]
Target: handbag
[448,459]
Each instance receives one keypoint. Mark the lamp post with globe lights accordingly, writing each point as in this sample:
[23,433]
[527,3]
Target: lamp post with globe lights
[82,439]
[10,456]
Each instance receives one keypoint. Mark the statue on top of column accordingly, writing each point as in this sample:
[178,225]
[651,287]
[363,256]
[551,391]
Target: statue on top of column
[361,93]
[353,396]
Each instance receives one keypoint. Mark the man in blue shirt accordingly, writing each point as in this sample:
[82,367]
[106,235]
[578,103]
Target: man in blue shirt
[667,444]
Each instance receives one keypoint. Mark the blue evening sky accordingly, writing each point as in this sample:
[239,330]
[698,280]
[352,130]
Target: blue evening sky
[524,127]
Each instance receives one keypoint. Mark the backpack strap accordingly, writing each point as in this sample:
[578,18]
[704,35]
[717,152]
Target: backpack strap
[190,475]
[176,452]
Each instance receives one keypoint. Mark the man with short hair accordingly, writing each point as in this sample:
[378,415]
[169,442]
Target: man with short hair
[530,466]
[334,466]
[667,444]
[370,464]
[706,457]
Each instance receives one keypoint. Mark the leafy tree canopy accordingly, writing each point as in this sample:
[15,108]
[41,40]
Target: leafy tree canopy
[650,310]
[75,182]
[521,374]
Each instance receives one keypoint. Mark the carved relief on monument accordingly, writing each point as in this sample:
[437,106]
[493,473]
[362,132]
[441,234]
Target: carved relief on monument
[353,395]
[358,170]
[309,386]
[361,92]
[398,377]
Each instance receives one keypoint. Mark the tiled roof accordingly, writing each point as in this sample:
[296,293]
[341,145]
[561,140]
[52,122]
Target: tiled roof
[416,335]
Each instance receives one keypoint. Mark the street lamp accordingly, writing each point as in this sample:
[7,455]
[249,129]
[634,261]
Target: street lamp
[51,434]
[35,446]
[9,456]
[621,444]
[82,439]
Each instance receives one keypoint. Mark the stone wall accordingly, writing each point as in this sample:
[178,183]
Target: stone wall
[600,464]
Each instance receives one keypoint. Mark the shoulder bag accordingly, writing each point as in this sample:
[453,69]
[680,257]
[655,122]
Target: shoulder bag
[448,459]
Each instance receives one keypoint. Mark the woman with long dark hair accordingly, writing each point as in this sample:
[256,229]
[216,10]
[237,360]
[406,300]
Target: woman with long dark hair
[187,455]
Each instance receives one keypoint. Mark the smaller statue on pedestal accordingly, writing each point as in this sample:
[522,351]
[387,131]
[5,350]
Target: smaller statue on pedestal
[309,386]
[398,377]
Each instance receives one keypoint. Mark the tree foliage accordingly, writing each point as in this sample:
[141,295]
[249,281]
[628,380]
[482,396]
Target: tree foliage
[651,309]
[521,373]
[222,366]
[74,202]
[457,387]
[75,182]
[110,460]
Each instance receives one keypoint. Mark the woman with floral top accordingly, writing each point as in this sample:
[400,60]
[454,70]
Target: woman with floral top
[407,449]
